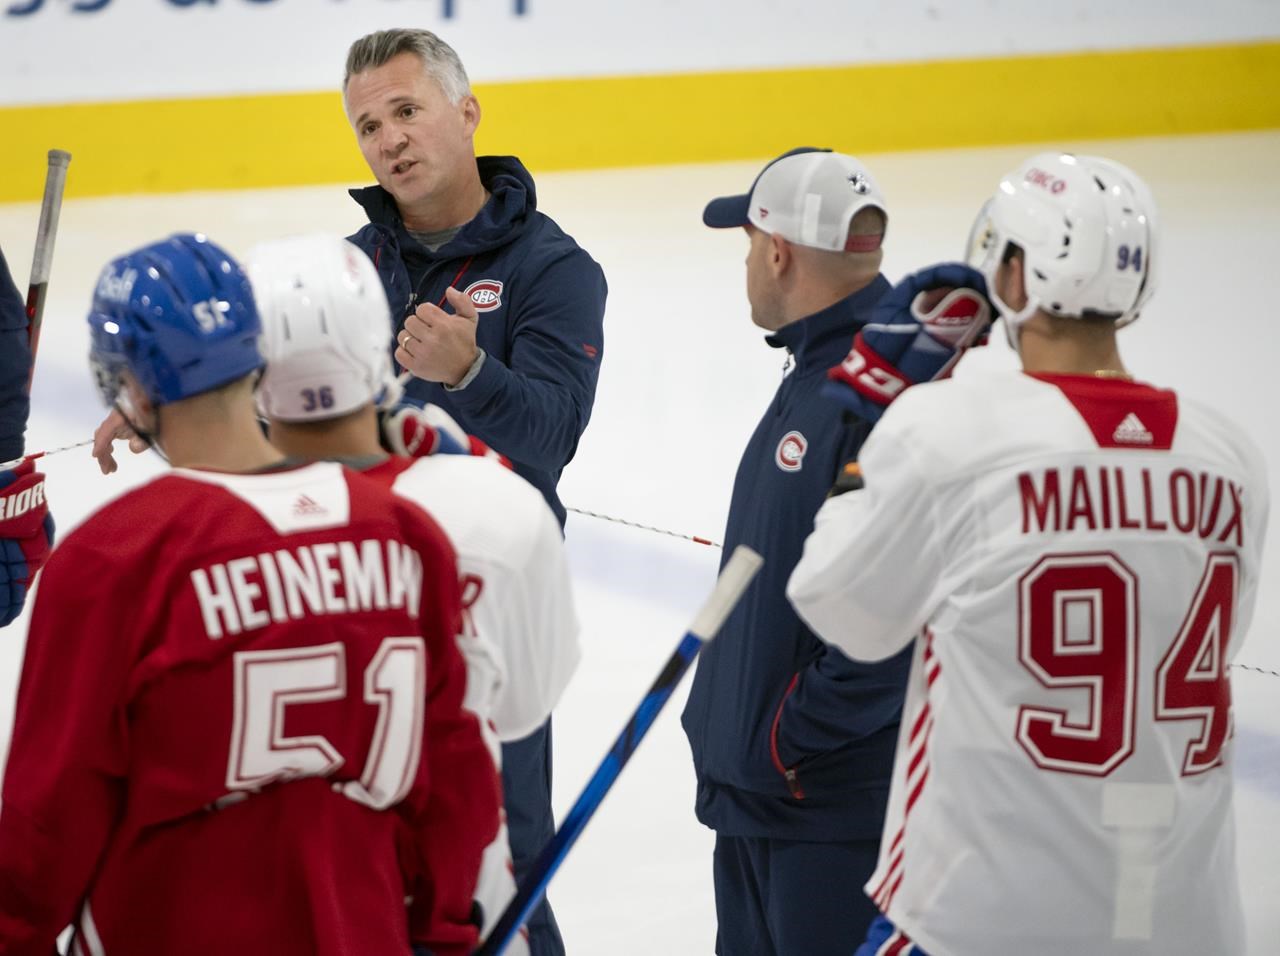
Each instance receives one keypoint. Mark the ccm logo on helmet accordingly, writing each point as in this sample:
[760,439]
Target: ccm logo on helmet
[1038,177]
[485,293]
[790,454]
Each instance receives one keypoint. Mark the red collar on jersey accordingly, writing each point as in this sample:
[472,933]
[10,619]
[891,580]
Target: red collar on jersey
[1121,414]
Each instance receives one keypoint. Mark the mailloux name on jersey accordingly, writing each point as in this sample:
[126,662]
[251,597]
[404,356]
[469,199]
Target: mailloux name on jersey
[1112,498]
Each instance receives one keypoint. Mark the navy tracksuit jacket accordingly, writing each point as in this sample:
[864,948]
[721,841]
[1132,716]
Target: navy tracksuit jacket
[15,365]
[792,740]
[541,324]
[541,300]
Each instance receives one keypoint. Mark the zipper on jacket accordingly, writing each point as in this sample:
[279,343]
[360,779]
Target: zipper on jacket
[783,386]
[431,272]
[788,773]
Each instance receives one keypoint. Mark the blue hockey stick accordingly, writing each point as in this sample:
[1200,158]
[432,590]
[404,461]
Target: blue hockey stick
[733,580]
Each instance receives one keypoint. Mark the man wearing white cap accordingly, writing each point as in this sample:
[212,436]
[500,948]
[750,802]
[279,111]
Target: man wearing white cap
[792,741]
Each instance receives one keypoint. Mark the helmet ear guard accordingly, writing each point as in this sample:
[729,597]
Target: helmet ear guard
[326,329]
[1086,227]
[106,377]
[986,251]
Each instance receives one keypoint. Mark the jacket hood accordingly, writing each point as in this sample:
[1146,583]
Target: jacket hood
[506,214]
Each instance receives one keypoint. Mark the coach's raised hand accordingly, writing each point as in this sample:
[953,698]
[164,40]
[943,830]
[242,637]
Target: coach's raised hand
[440,346]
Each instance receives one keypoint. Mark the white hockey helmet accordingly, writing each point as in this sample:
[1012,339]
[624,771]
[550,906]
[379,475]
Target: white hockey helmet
[1087,229]
[326,329]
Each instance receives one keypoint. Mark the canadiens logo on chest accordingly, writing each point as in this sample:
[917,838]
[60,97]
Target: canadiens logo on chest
[485,293]
[791,449]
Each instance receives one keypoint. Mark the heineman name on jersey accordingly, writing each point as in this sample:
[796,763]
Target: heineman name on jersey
[332,577]
[1113,498]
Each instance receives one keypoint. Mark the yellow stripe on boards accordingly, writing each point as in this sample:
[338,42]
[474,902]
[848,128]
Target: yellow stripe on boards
[162,146]
[159,146]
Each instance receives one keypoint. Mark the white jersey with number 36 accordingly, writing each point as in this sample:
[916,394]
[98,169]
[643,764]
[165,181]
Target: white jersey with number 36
[520,629]
[1079,558]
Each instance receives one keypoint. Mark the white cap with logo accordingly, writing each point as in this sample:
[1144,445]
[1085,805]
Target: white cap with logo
[806,196]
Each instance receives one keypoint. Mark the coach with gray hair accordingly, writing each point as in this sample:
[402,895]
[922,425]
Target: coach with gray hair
[499,313]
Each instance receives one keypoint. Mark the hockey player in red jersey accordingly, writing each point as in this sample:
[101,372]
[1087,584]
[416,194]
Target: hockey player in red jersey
[325,328]
[240,725]
[1079,553]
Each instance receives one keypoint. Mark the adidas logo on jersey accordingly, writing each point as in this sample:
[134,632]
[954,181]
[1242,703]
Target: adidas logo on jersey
[305,505]
[1131,431]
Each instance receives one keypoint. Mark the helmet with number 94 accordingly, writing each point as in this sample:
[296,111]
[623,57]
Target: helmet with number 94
[1087,230]
[178,315]
[326,329]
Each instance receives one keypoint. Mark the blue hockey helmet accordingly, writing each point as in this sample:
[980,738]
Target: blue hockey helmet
[178,315]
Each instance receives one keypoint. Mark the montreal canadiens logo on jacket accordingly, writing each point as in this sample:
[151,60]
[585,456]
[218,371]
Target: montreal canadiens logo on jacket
[485,293]
[790,453]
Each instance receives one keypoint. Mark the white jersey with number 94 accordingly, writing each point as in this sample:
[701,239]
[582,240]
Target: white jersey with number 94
[1079,558]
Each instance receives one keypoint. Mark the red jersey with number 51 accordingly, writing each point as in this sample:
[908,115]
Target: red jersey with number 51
[1080,559]
[240,728]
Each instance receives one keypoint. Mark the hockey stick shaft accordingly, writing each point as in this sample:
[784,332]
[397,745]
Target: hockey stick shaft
[55,182]
[737,574]
[6,465]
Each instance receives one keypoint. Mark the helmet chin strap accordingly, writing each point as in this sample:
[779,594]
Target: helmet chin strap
[1013,318]
[392,391]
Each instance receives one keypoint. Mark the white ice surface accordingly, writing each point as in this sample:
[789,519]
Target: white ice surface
[684,379]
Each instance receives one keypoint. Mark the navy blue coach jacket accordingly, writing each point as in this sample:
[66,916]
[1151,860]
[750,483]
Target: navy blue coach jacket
[790,738]
[15,366]
[541,318]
